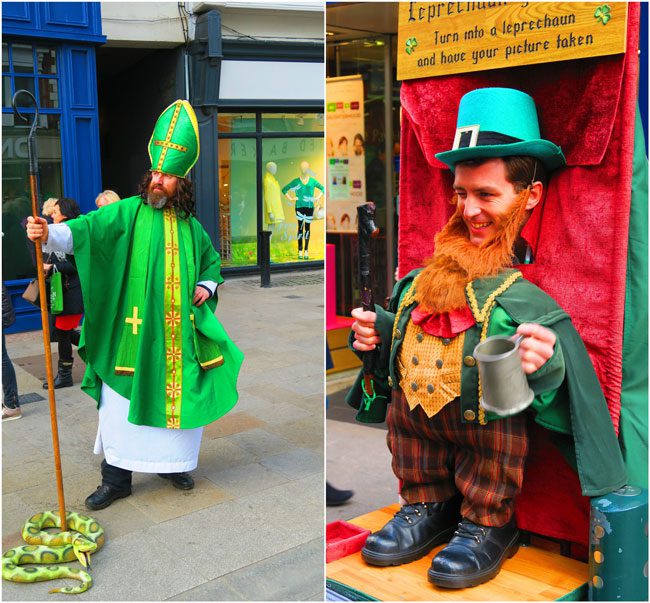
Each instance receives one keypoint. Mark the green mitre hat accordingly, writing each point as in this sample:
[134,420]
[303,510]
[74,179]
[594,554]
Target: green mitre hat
[499,122]
[174,144]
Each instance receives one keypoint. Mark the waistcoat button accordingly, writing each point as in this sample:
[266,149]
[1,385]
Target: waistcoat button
[414,386]
[430,388]
[419,337]
[446,341]
[415,360]
[439,363]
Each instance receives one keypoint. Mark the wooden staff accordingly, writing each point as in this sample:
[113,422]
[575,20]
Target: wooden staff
[33,185]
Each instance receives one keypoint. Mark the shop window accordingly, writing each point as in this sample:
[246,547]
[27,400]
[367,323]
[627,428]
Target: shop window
[238,202]
[293,122]
[48,92]
[25,68]
[25,83]
[236,122]
[284,151]
[295,217]
[23,59]
[46,61]
[6,91]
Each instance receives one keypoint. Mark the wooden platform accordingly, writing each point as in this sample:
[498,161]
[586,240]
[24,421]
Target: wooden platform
[533,574]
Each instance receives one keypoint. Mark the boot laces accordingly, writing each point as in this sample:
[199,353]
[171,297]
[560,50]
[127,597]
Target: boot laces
[407,511]
[467,529]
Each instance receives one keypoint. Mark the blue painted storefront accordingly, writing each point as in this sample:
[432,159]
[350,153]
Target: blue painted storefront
[70,31]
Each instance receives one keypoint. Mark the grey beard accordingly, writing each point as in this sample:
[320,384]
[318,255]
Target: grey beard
[156,201]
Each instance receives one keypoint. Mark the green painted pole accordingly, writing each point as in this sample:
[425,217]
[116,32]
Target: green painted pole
[618,546]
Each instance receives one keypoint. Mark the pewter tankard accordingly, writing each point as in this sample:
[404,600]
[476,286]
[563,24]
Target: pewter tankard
[505,387]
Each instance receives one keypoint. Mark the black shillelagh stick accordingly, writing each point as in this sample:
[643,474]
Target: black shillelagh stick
[367,229]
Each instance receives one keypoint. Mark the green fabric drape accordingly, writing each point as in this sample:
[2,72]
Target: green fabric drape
[633,430]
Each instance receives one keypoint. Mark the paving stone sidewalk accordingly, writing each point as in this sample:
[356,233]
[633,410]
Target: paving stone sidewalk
[253,527]
[358,458]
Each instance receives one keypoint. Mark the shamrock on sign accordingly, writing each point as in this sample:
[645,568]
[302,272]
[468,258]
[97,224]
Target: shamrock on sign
[603,13]
[411,43]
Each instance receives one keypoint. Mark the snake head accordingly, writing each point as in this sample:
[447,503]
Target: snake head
[82,548]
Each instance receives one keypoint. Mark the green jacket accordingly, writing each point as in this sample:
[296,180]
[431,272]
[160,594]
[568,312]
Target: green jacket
[568,398]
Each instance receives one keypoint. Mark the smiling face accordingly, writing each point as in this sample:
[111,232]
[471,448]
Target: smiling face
[486,197]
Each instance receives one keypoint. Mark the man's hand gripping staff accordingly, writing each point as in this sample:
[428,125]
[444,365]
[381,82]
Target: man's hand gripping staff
[367,230]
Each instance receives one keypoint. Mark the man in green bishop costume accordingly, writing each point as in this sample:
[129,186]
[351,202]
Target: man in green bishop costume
[158,362]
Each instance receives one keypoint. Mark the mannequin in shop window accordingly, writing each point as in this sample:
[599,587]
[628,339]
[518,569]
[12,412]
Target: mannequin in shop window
[304,191]
[272,196]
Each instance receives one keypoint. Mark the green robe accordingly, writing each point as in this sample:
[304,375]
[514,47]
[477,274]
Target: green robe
[102,245]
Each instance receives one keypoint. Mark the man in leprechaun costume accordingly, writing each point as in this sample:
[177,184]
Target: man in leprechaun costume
[159,363]
[460,466]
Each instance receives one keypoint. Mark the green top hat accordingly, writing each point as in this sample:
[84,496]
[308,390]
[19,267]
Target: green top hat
[499,122]
[174,144]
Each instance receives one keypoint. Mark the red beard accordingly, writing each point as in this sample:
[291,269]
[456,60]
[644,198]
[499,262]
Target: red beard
[456,261]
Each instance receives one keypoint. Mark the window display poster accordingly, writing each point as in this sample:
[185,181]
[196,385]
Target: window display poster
[345,141]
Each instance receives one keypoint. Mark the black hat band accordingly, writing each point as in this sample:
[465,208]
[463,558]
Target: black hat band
[484,139]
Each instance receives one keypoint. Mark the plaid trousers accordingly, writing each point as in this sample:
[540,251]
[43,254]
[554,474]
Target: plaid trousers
[439,456]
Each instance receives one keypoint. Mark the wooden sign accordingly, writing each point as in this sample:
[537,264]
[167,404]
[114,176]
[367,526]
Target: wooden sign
[439,38]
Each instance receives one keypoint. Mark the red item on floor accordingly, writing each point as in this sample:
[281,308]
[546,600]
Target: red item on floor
[343,539]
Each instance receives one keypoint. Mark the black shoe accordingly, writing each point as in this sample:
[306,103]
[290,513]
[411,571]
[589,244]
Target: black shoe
[474,555]
[182,481]
[104,496]
[63,377]
[412,533]
[335,497]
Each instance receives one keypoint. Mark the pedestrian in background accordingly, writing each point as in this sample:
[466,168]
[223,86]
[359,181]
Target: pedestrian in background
[106,198]
[10,405]
[67,321]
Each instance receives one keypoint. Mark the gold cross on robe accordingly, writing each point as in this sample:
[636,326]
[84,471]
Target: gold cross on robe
[134,320]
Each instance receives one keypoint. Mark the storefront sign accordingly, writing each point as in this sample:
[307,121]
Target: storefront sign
[346,166]
[440,38]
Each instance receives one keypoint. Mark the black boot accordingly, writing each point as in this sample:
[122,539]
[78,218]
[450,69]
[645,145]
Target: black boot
[335,497]
[64,376]
[182,481]
[116,483]
[413,532]
[474,555]
[75,336]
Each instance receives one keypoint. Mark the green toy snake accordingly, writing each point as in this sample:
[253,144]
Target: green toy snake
[48,549]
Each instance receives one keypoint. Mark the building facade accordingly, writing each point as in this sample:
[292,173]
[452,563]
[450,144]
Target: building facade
[101,74]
